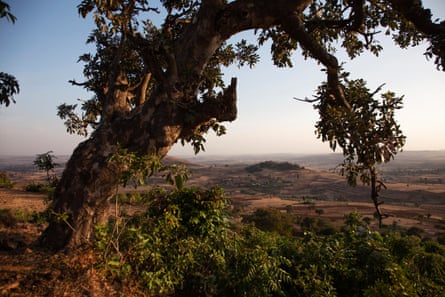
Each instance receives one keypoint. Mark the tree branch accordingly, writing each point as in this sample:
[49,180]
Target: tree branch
[294,26]
[414,12]
[221,107]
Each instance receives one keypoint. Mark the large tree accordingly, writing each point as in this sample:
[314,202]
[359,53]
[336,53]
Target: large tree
[157,84]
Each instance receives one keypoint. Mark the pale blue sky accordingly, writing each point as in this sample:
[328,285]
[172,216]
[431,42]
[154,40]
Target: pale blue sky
[42,47]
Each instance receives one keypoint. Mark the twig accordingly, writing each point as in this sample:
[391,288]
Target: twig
[307,100]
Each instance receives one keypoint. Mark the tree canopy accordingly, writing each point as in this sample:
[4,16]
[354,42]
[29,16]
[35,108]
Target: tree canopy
[141,54]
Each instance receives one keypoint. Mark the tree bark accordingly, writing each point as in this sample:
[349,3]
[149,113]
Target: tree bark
[375,195]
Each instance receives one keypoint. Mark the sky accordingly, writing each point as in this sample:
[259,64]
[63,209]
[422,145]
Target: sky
[42,47]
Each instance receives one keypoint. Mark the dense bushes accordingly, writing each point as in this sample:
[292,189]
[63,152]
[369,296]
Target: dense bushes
[272,220]
[183,245]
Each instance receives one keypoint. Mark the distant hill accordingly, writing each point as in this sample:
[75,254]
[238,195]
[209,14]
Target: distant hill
[406,159]
[280,166]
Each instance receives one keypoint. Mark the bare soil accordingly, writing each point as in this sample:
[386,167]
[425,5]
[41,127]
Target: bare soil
[411,200]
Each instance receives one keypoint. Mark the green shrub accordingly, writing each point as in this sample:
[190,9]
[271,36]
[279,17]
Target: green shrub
[272,220]
[5,182]
[39,188]
[183,246]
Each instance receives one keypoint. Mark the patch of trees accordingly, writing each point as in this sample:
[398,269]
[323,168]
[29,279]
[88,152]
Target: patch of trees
[279,166]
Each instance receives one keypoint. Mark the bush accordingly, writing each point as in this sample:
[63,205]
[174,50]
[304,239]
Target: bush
[39,188]
[416,231]
[272,220]
[5,182]
[183,246]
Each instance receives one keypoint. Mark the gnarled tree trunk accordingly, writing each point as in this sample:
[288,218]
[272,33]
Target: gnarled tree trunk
[90,179]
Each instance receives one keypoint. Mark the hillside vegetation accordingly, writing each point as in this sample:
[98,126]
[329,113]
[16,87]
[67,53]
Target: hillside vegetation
[279,166]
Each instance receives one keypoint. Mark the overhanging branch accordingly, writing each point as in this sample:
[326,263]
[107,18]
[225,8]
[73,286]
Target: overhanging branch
[221,108]
[294,26]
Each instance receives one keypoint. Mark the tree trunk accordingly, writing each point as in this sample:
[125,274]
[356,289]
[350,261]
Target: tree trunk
[82,194]
[89,180]
[375,195]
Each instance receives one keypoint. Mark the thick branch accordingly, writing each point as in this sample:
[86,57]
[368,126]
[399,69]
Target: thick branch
[413,11]
[148,55]
[358,15]
[293,25]
[220,108]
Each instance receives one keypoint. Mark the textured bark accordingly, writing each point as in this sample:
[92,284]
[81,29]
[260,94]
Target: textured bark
[375,195]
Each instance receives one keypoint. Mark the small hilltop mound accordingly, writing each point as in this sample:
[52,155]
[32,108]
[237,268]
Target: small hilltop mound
[272,165]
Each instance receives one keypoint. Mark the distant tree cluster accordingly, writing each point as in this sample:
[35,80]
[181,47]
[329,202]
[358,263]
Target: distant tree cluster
[280,166]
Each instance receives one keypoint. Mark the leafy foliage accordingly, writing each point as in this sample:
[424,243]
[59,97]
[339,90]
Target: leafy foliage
[367,132]
[272,220]
[8,88]
[45,162]
[9,85]
[5,12]
[134,169]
